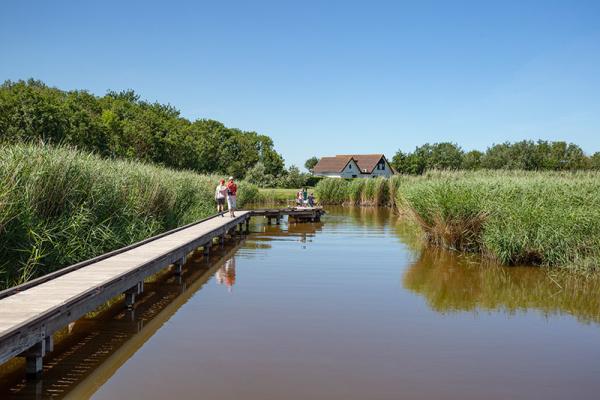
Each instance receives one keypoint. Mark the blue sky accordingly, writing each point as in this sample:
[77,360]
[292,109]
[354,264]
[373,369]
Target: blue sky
[330,77]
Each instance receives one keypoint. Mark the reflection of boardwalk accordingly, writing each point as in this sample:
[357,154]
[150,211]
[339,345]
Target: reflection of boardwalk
[89,352]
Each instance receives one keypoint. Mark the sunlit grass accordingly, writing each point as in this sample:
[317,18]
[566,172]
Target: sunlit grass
[543,218]
[59,206]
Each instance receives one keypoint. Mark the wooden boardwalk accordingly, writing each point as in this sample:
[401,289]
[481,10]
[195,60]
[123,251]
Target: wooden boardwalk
[31,313]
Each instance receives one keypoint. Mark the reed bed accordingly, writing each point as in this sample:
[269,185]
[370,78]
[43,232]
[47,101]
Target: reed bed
[542,218]
[59,206]
[363,192]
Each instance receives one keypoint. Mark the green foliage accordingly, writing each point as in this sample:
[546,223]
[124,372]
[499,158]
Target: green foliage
[550,218]
[429,156]
[472,160]
[332,191]
[524,155]
[312,181]
[595,161]
[277,196]
[59,206]
[361,191]
[310,163]
[120,125]
[258,176]
[292,179]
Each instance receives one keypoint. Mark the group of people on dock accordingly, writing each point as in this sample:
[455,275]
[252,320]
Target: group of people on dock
[303,198]
[226,192]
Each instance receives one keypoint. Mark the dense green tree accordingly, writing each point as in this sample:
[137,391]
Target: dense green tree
[541,155]
[444,156]
[472,160]
[526,155]
[595,161]
[310,164]
[428,156]
[293,178]
[122,125]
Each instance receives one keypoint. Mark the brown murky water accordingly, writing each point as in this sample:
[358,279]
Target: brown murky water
[350,308]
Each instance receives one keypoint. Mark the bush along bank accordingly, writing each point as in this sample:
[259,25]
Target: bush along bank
[59,206]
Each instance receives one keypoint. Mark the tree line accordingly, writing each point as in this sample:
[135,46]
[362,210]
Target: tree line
[524,155]
[121,125]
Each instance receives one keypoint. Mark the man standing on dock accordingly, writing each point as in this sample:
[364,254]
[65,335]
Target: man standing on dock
[231,196]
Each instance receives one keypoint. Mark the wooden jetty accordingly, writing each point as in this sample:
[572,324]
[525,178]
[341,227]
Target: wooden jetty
[301,214]
[30,313]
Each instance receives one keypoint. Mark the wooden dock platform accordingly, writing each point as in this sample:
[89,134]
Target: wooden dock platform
[30,313]
[302,214]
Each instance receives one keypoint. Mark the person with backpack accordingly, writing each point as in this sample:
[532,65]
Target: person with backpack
[231,196]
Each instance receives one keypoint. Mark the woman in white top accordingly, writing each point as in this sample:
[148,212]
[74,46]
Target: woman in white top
[220,194]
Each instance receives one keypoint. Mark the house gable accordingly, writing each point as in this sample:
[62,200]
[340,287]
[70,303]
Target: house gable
[354,166]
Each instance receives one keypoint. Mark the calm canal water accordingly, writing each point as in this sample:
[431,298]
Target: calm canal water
[350,308]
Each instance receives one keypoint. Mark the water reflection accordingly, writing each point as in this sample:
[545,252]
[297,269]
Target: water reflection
[226,274]
[452,283]
[88,351]
[334,310]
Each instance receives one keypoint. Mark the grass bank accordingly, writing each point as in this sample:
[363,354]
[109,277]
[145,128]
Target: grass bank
[542,218]
[276,196]
[59,206]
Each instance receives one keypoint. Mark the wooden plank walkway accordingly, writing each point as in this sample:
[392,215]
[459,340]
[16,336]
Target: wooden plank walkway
[31,313]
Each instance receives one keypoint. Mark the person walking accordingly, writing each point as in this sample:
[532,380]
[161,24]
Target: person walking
[220,195]
[231,196]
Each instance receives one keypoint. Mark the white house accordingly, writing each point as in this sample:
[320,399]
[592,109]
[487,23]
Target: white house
[354,166]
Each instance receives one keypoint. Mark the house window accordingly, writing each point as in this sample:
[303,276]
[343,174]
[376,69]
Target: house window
[349,166]
[381,165]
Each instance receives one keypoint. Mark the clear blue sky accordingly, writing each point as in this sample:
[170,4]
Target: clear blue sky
[330,77]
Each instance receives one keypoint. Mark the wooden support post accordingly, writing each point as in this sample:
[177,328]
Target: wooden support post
[178,270]
[131,293]
[49,344]
[278,219]
[248,225]
[268,220]
[34,357]
[207,249]
[222,240]
[129,299]
[179,265]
